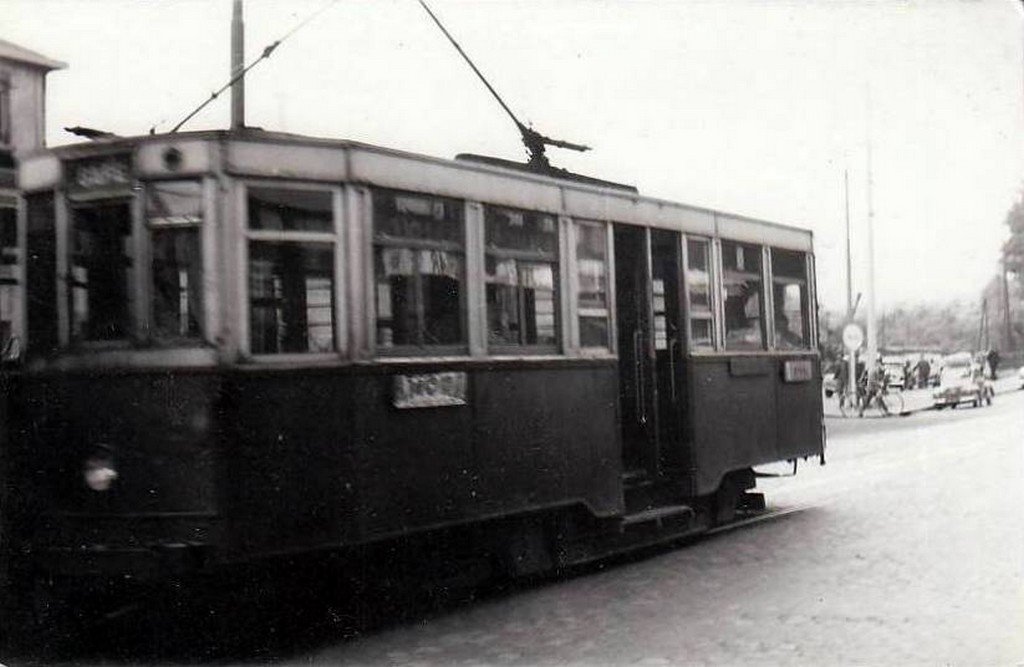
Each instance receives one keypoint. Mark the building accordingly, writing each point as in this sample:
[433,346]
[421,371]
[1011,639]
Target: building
[22,129]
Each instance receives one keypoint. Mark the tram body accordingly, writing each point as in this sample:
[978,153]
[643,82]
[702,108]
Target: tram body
[238,345]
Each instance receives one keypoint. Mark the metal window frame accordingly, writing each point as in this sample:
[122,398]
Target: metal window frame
[468,297]
[764,297]
[713,299]
[521,348]
[335,239]
[144,248]
[609,262]
[809,311]
[64,222]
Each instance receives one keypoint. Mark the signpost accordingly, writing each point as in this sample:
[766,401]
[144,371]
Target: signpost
[853,338]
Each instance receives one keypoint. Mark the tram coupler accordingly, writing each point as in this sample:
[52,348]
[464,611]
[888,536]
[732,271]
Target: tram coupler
[753,502]
[779,474]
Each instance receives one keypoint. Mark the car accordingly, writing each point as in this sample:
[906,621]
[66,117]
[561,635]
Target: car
[962,381]
[829,383]
[895,372]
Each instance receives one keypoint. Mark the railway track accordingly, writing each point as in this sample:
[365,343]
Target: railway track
[754,518]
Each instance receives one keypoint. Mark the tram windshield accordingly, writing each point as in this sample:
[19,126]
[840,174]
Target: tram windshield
[741,292]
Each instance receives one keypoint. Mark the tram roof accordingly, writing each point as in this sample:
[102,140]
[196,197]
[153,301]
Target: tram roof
[253,152]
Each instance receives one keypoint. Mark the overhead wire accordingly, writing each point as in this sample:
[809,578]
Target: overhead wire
[267,52]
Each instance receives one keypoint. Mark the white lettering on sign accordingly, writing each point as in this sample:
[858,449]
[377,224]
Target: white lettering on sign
[430,390]
[101,173]
[798,371]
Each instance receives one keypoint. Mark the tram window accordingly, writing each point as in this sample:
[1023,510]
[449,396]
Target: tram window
[592,272]
[741,292]
[288,210]
[698,291]
[789,278]
[41,273]
[174,216]
[521,266]
[291,297]
[419,270]
[100,271]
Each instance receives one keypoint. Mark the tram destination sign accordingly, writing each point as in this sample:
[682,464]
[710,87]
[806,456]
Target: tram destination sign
[107,172]
[429,390]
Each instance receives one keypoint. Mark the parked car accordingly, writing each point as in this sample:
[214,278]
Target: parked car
[895,372]
[829,383]
[963,381]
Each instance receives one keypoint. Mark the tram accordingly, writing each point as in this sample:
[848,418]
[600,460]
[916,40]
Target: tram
[240,345]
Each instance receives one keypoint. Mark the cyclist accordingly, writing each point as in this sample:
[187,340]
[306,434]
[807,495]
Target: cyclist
[875,386]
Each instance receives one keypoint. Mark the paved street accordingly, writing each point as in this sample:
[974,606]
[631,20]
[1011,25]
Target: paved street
[909,550]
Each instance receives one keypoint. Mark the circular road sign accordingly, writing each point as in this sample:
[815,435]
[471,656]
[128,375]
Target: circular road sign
[853,336]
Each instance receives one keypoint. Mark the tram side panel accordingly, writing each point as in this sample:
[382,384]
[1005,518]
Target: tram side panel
[155,431]
[798,405]
[334,462]
[745,413]
[549,437]
[732,409]
[289,476]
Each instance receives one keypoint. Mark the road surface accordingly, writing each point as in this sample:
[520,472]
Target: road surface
[909,550]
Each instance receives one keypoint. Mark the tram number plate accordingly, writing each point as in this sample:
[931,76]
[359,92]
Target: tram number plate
[430,390]
[798,371]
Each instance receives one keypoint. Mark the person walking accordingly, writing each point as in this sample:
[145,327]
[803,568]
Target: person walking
[924,371]
[993,362]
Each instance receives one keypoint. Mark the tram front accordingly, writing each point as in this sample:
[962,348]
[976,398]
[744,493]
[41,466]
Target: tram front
[112,428]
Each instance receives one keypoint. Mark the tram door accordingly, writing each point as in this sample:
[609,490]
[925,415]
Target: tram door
[667,313]
[636,362]
[648,311]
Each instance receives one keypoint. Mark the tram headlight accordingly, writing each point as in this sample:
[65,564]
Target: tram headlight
[99,472]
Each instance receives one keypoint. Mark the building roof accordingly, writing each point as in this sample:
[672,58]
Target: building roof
[10,51]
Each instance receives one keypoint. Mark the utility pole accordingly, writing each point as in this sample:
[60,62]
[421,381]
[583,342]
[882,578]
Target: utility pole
[983,326]
[237,67]
[851,373]
[1008,345]
[872,350]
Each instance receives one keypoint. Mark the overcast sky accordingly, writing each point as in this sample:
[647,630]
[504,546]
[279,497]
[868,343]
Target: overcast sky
[753,107]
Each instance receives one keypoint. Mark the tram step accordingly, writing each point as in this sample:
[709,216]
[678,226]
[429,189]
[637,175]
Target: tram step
[656,515]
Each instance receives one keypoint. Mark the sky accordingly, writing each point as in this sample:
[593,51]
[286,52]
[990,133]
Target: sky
[755,107]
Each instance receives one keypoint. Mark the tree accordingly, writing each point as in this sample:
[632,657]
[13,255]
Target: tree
[1013,248]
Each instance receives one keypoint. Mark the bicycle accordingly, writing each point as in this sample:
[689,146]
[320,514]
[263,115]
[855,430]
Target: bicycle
[880,403]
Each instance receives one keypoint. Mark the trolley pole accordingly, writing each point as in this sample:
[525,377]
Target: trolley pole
[237,67]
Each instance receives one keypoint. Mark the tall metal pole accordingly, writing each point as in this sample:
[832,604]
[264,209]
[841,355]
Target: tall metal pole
[1008,345]
[851,369]
[849,262]
[237,66]
[872,350]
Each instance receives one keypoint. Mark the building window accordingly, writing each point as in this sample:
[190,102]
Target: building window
[742,295]
[419,271]
[291,277]
[10,290]
[699,295]
[41,274]
[100,272]
[521,266]
[174,218]
[592,294]
[5,110]
[790,299]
